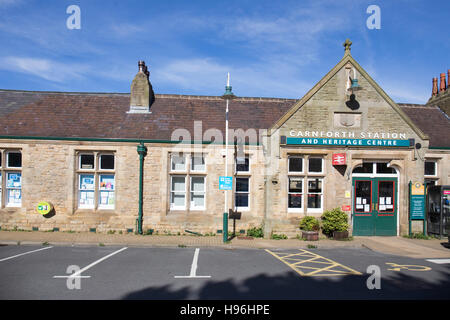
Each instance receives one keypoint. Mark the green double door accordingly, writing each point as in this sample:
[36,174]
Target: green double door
[374,206]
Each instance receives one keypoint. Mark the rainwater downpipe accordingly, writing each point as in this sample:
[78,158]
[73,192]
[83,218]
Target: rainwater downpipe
[142,151]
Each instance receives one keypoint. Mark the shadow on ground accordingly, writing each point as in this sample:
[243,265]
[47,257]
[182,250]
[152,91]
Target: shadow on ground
[290,286]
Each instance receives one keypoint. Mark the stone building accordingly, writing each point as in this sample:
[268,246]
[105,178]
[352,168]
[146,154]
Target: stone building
[140,161]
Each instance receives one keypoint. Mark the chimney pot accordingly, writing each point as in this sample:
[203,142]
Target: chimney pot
[434,92]
[443,86]
[448,78]
[141,65]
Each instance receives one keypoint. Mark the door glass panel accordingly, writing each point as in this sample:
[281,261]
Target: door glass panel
[363,196]
[386,196]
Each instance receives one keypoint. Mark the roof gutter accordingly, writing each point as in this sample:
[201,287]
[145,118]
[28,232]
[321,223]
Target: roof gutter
[119,140]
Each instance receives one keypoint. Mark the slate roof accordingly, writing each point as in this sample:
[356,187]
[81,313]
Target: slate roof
[431,120]
[104,115]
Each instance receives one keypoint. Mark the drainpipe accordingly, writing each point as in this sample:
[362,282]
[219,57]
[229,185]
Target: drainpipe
[142,151]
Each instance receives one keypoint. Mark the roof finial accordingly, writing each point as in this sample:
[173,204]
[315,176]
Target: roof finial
[347,44]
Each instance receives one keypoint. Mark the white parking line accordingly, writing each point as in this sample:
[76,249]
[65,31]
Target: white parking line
[77,274]
[194,267]
[18,255]
[439,261]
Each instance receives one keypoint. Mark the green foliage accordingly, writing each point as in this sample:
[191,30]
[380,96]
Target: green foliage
[278,236]
[418,236]
[334,220]
[256,232]
[309,224]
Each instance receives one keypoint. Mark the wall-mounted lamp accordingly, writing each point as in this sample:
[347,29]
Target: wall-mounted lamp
[352,82]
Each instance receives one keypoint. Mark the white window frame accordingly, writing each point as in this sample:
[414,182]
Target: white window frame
[315,210]
[243,172]
[86,154]
[100,155]
[192,163]
[7,189]
[435,175]
[303,165]
[241,192]
[172,206]
[374,173]
[85,206]
[182,155]
[97,172]
[322,166]
[191,194]
[100,190]
[302,179]
[7,159]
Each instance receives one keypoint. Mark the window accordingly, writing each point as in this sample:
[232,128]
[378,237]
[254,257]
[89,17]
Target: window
[187,191]
[295,193]
[178,192]
[106,162]
[86,191]
[10,178]
[96,180]
[315,195]
[315,165]
[295,165]
[430,168]
[366,167]
[14,159]
[178,162]
[198,163]
[107,188]
[242,193]
[87,161]
[305,186]
[197,193]
[243,165]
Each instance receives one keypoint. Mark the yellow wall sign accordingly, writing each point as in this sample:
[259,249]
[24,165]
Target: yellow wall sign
[44,207]
[417,189]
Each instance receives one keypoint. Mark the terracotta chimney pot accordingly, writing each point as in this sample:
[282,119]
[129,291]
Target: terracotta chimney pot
[443,86]
[434,92]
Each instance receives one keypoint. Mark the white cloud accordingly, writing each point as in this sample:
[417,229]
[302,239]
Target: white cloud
[44,68]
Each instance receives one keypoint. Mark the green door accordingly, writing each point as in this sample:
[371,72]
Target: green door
[374,206]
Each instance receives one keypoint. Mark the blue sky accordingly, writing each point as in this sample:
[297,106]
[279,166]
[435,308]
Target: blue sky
[271,48]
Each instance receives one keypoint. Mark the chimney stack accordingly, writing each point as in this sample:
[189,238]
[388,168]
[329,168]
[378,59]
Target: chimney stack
[443,86]
[142,95]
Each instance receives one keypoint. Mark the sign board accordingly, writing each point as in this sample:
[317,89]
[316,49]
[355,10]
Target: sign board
[225,183]
[348,142]
[339,159]
[417,201]
[346,208]
[44,207]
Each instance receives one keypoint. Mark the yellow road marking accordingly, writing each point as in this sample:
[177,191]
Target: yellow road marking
[314,259]
[410,267]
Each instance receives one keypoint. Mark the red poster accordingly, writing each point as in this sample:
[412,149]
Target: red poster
[346,208]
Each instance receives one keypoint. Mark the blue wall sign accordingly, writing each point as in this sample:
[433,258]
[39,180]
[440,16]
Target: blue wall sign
[225,183]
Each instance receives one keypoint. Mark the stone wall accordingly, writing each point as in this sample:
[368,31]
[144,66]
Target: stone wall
[49,173]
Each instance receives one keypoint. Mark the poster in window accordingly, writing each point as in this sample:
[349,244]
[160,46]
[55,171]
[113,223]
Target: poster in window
[87,182]
[14,180]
